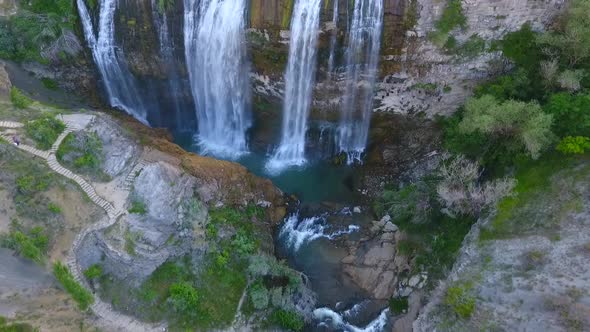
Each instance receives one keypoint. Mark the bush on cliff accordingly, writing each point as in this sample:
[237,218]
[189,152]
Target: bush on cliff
[80,294]
[517,125]
[19,99]
[44,130]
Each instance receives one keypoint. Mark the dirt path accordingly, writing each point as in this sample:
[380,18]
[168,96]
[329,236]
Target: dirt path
[103,310]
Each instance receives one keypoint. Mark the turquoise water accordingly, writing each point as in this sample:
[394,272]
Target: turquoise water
[317,181]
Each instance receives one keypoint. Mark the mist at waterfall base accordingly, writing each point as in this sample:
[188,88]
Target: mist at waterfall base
[299,83]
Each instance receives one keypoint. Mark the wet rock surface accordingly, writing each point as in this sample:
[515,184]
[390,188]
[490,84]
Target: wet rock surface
[372,263]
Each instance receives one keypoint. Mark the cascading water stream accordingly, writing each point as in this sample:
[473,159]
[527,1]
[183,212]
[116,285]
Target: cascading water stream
[120,85]
[299,83]
[296,233]
[333,39]
[216,60]
[167,53]
[362,58]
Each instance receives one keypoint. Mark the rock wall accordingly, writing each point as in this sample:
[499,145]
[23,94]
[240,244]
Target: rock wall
[450,78]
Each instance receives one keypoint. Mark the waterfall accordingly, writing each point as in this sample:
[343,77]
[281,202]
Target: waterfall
[120,85]
[216,60]
[167,52]
[299,83]
[333,39]
[362,58]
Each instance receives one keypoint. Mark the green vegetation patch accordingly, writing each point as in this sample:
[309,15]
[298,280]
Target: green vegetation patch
[433,237]
[5,326]
[80,294]
[19,99]
[138,207]
[31,244]
[37,26]
[82,152]
[44,130]
[289,320]
[528,209]
[460,300]
[451,18]
[93,272]
[398,305]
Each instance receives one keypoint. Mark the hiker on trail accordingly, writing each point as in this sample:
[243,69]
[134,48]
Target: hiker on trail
[16,140]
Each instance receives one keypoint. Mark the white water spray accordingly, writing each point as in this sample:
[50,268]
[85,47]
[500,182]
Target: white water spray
[330,318]
[216,59]
[362,58]
[299,81]
[296,233]
[120,85]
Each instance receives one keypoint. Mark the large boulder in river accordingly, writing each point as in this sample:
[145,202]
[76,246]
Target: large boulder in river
[372,262]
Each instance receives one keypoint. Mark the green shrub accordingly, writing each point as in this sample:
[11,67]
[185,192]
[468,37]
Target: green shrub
[574,145]
[288,320]
[451,17]
[26,247]
[45,130]
[518,124]
[54,208]
[518,85]
[31,184]
[473,47]
[459,299]
[19,99]
[138,207]
[80,294]
[49,83]
[571,115]
[184,298]
[521,47]
[398,305]
[259,296]
[83,152]
[15,327]
[93,272]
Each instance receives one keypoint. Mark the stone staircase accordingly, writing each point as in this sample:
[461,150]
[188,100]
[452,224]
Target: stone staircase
[101,309]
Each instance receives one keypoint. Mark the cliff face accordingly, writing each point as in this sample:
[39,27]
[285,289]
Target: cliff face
[435,81]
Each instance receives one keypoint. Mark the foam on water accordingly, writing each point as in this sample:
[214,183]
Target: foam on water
[331,319]
[296,233]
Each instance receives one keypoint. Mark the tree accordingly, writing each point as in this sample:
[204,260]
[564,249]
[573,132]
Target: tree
[460,193]
[571,114]
[515,122]
[572,39]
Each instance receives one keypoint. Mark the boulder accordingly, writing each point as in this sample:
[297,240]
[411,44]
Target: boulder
[390,227]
